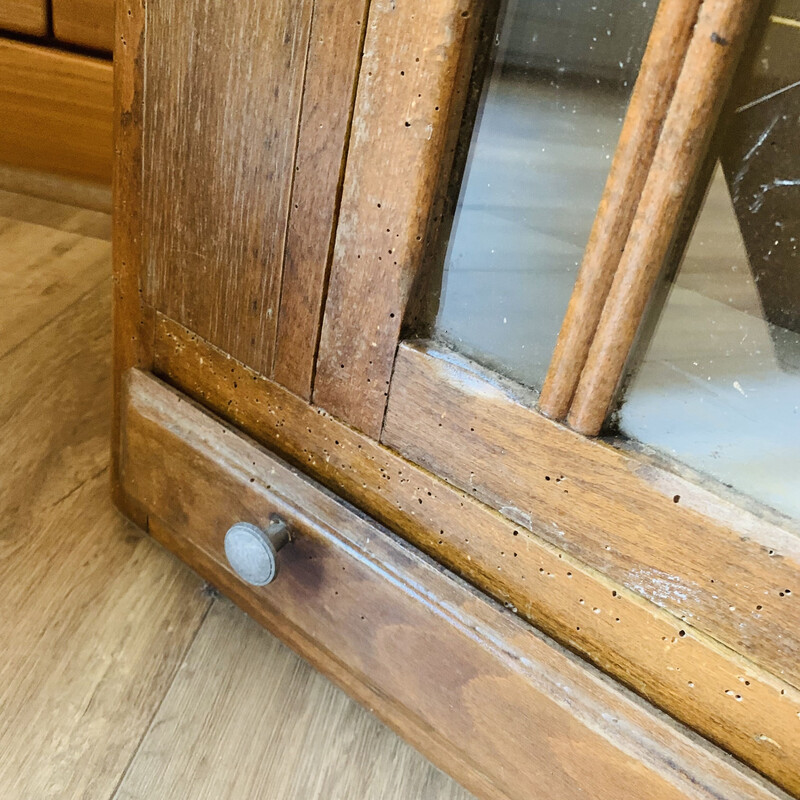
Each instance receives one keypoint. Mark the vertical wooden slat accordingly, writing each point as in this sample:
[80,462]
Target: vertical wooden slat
[633,158]
[88,23]
[712,56]
[224,89]
[334,55]
[133,322]
[55,112]
[408,99]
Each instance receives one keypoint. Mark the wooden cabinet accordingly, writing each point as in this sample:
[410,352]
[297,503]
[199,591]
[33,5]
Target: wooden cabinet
[24,16]
[491,580]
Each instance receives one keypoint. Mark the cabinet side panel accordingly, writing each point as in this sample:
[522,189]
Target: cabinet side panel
[224,84]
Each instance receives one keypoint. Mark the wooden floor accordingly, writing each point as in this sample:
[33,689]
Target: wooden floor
[121,674]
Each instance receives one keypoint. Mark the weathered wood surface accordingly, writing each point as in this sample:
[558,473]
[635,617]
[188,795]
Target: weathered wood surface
[221,113]
[633,158]
[132,319]
[411,92]
[470,684]
[713,564]
[631,638]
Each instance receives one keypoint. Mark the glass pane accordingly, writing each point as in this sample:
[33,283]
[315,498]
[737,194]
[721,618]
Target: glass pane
[551,114]
[719,383]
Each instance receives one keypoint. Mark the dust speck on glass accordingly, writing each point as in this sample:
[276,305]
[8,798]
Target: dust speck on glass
[551,111]
[717,377]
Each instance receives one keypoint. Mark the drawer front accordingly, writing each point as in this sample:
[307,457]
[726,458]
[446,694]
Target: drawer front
[487,698]
[24,16]
[88,23]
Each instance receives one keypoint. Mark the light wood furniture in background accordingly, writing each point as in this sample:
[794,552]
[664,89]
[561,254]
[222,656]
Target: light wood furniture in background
[55,95]
[24,16]
[55,109]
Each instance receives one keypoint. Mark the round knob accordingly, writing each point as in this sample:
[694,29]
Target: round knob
[253,553]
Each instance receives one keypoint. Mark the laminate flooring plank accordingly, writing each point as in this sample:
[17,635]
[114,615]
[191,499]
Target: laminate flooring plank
[247,718]
[94,617]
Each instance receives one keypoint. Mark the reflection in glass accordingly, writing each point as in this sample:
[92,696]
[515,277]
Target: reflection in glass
[718,385]
[551,113]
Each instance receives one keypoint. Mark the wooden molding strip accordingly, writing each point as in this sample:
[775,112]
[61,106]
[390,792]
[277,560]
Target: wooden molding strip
[47,186]
[410,97]
[691,676]
[56,111]
[655,86]
[717,41]
[498,706]
[334,55]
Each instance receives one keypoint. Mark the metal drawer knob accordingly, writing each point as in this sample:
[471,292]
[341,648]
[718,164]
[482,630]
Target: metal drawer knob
[253,553]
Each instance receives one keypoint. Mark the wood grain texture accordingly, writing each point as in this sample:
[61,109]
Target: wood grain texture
[132,319]
[99,618]
[42,272]
[24,16]
[334,55]
[409,100]
[56,109]
[88,23]
[222,105]
[94,619]
[711,59]
[652,93]
[712,564]
[247,718]
[630,638]
[509,710]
